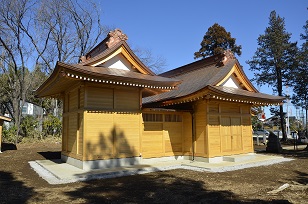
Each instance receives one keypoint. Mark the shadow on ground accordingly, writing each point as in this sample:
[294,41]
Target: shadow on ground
[302,177]
[155,188]
[300,154]
[291,152]
[8,146]
[12,190]
[51,155]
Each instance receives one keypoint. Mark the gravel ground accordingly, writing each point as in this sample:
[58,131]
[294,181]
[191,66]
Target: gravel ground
[261,184]
[53,179]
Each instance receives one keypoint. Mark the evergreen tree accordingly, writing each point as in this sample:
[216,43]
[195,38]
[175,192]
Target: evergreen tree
[300,76]
[274,59]
[215,41]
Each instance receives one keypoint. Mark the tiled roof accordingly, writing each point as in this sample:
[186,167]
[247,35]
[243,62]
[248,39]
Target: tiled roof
[238,93]
[66,75]
[106,52]
[199,75]
[120,75]
[204,75]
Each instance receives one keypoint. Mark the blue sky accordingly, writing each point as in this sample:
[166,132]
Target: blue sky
[174,29]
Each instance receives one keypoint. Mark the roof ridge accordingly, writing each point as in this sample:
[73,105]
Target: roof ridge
[215,59]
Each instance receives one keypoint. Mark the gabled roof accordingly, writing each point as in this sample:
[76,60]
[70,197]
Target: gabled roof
[113,44]
[92,68]
[65,75]
[207,76]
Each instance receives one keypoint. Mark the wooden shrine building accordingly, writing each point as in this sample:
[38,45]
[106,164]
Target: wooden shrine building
[118,112]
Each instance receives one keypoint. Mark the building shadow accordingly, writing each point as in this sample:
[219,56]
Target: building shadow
[291,153]
[162,187]
[8,146]
[302,177]
[50,155]
[111,149]
[13,191]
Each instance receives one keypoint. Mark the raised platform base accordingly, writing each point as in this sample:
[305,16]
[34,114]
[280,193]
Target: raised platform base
[113,163]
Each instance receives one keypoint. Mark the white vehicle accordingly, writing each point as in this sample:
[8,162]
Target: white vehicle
[278,133]
[261,132]
[303,139]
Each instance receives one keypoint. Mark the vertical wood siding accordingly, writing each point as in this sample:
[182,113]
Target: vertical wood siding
[163,134]
[72,121]
[113,122]
[200,122]
[72,134]
[187,133]
[229,128]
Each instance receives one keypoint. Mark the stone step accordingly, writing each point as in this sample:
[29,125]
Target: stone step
[239,158]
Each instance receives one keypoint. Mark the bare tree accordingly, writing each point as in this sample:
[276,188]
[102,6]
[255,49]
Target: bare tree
[156,63]
[38,34]
[15,52]
[70,29]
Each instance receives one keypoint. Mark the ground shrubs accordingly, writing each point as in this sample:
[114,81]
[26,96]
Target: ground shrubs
[9,134]
[52,126]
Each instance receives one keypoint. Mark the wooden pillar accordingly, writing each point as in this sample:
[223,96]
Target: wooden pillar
[2,119]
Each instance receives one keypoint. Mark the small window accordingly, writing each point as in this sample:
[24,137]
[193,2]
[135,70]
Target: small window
[173,118]
[148,117]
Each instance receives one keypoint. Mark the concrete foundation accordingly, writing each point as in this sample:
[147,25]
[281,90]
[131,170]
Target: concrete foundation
[124,162]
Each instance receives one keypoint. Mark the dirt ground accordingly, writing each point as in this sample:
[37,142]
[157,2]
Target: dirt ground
[20,184]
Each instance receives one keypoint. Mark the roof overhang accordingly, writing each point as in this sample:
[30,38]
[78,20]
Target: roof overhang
[65,76]
[238,73]
[222,93]
[5,119]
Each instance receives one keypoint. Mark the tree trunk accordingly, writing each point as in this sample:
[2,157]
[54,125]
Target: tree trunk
[16,110]
[282,124]
[281,114]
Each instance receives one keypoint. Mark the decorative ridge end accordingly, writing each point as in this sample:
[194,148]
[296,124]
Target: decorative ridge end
[227,54]
[115,36]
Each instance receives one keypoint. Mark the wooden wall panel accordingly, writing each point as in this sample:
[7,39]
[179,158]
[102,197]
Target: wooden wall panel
[213,108]
[187,133]
[127,134]
[214,138]
[72,133]
[99,135]
[81,97]
[126,99]
[100,98]
[247,131]
[64,133]
[173,137]
[230,108]
[73,100]
[226,134]
[152,140]
[66,103]
[246,109]
[200,121]
[80,133]
[236,132]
